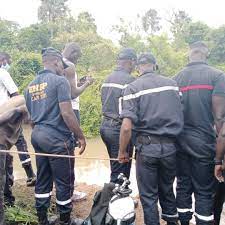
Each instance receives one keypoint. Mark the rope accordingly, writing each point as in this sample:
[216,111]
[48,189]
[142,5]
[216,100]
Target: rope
[59,156]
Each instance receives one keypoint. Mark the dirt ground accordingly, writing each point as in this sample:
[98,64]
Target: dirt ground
[25,196]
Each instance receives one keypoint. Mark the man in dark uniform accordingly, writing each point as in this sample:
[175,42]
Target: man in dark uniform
[203,89]
[111,96]
[48,99]
[152,107]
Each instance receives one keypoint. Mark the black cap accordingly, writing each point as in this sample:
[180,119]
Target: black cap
[53,52]
[198,44]
[127,54]
[146,58]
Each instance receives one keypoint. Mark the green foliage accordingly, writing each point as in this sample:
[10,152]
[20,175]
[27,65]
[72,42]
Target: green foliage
[50,10]
[196,32]
[57,27]
[91,106]
[34,38]
[218,45]
[25,67]
[150,21]
[18,215]
[169,59]
[8,31]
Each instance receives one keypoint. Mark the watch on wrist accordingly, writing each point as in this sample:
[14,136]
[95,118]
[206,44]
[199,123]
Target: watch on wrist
[218,162]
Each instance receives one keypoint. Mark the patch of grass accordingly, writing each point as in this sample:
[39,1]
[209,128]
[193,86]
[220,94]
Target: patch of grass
[20,215]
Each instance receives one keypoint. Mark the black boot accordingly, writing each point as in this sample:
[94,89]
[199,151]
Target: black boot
[42,218]
[184,222]
[172,223]
[31,177]
[66,220]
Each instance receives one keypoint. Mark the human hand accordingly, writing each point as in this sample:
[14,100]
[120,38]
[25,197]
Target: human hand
[123,157]
[81,145]
[90,80]
[218,172]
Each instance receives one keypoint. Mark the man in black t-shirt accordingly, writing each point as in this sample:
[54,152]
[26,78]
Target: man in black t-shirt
[48,100]
[203,90]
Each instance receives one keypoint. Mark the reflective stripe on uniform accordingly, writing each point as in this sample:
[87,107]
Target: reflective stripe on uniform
[63,202]
[46,195]
[26,161]
[184,210]
[170,216]
[120,86]
[150,91]
[204,218]
[197,87]
[120,105]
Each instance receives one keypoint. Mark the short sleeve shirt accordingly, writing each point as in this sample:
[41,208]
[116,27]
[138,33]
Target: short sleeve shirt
[198,82]
[7,86]
[43,96]
[153,104]
[112,92]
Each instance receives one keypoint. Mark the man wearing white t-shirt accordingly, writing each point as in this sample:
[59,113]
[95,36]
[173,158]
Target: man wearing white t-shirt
[71,54]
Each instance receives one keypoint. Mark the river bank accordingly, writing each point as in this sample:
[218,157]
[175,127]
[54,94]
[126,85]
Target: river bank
[25,200]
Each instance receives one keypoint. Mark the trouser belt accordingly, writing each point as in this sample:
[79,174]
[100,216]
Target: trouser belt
[117,121]
[154,139]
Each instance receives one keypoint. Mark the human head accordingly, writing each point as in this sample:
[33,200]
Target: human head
[72,52]
[146,62]
[53,60]
[198,52]
[7,57]
[127,59]
[5,60]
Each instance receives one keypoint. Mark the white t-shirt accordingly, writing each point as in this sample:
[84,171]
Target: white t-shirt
[76,101]
[7,86]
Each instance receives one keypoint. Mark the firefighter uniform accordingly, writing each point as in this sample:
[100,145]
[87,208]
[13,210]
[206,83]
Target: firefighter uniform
[111,96]
[51,135]
[153,104]
[198,82]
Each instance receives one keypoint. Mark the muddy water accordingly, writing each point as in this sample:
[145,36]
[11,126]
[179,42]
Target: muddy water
[88,171]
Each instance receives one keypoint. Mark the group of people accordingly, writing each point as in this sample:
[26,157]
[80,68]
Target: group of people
[171,123]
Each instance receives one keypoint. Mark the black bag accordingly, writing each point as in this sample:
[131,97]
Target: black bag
[100,206]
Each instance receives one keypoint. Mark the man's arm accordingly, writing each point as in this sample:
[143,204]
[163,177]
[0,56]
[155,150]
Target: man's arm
[220,149]
[125,137]
[64,99]
[75,90]
[71,122]
[9,84]
[218,105]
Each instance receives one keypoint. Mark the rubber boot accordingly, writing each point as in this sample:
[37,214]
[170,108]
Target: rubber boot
[42,218]
[31,177]
[66,220]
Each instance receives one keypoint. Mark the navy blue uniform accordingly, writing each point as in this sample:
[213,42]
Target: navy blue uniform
[111,96]
[153,104]
[51,135]
[196,144]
